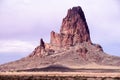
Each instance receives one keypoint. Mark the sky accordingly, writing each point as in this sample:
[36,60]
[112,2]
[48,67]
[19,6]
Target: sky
[24,22]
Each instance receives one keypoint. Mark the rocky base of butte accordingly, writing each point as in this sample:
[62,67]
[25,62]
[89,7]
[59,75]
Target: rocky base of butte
[72,47]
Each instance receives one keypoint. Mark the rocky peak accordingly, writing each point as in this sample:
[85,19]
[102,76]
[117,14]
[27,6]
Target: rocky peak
[42,44]
[76,11]
[74,29]
[40,50]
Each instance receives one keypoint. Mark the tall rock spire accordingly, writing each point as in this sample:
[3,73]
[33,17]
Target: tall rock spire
[71,47]
[74,29]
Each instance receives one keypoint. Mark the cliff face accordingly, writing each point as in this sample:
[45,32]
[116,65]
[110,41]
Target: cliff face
[74,29]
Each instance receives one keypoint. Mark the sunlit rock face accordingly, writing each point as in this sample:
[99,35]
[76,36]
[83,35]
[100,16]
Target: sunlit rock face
[74,29]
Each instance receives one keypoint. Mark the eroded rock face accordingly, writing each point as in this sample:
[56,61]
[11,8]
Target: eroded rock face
[40,50]
[82,52]
[42,44]
[99,48]
[74,29]
[55,39]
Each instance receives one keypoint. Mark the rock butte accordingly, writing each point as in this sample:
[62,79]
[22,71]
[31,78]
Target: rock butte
[71,47]
[74,30]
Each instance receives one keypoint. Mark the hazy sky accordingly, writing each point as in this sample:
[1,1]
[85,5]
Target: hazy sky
[24,22]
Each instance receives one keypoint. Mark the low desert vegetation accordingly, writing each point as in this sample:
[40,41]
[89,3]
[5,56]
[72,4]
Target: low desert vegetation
[58,76]
[31,77]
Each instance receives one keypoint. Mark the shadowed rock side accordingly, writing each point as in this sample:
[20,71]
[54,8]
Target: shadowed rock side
[72,47]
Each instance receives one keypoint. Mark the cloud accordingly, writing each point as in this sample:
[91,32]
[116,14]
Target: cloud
[16,46]
[28,19]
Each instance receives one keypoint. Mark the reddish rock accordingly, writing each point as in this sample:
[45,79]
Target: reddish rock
[74,29]
[82,52]
[42,44]
[55,39]
[40,50]
[99,48]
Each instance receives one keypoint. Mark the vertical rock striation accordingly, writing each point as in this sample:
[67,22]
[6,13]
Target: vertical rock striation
[74,29]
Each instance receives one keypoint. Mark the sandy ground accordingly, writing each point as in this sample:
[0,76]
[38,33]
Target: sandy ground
[94,66]
[60,74]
